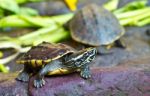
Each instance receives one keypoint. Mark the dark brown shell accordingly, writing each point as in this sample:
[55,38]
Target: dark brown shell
[44,53]
[94,25]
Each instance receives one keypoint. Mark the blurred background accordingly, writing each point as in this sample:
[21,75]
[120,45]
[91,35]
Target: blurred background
[26,23]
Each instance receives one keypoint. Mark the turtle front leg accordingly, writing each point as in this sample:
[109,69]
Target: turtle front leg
[39,80]
[24,75]
[85,72]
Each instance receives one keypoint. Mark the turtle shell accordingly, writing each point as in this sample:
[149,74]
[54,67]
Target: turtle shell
[44,53]
[94,25]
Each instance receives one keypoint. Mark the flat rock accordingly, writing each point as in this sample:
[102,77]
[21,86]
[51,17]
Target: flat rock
[130,79]
[104,82]
[10,87]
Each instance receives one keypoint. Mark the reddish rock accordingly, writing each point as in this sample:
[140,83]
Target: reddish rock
[127,80]
[117,81]
[10,87]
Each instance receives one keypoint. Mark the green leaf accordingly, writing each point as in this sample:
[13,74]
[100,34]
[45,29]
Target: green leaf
[10,5]
[38,32]
[28,11]
[21,1]
[38,21]
[144,22]
[1,54]
[138,4]
[1,13]
[27,1]
[56,36]
[3,68]
[111,5]
[13,21]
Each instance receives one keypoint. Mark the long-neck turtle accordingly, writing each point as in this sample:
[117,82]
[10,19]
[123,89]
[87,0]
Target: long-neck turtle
[95,26]
[49,59]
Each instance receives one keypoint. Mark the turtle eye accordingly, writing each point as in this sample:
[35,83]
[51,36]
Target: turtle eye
[85,55]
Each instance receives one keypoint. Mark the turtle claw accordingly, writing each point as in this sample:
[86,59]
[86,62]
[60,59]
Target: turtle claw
[38,83]
[85,75]
[24,76]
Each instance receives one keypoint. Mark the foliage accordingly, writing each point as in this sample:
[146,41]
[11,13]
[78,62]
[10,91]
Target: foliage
[135,13]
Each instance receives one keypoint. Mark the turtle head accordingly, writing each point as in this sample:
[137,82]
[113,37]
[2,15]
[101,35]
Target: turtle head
[81,57]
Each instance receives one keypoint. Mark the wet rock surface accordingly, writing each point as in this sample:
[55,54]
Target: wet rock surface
[10,87]
[115,81]
[137,46]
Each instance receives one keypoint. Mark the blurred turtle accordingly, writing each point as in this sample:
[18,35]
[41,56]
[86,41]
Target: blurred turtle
[51,59]
[95,26]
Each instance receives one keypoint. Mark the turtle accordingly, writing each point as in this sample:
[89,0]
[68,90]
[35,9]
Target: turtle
[93,25]
[55,59]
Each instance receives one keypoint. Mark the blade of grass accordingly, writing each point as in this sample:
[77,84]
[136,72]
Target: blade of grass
[137,4]
[3,69]
[111,5]
[131,14]
[1,13]
[9,58]
[38,21]
[57,35]
[143,22]
[37,33]
[6,44]
[27,1]
[28,11]
[10,5]
[133,20]
[62,19]
[1,54]
[31,21]
[14,21]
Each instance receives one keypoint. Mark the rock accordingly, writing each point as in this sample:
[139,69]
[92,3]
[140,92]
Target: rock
[10,87]
[129,79]
[118,81]
[137,47]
